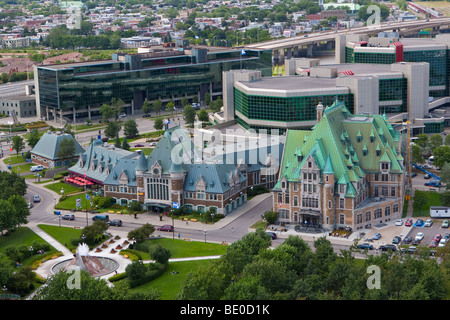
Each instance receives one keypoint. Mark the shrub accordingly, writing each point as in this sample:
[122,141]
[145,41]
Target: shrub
[117,277]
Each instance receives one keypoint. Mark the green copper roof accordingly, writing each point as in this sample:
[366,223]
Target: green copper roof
[335,147]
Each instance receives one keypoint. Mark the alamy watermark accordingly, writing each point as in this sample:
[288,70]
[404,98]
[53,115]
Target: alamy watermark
[374,280]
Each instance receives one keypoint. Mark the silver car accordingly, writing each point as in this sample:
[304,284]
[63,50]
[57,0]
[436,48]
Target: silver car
[428,223]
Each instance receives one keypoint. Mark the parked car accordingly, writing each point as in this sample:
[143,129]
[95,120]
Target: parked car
[419,223]
[365,246]
[415,242]
[36,198]
[36,168]
[428,223]
[139,145]
[101,217]
[153,144]
[30,205]
[408,223]
[376,236]
[273,235]
[399,222]
[68,217]
[396,240]
[122,115]
[146,115]
[407,240]
[437,237]
[115,223]
[412,249]
[442,243]
[444,224]
[427,166]
[427,176]
[387,247]
[433,244]
[166,227]
[420,236]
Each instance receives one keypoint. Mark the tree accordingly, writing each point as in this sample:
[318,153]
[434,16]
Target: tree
[117,106]
[146,107]
[157,106]
[125,144]
[117,142]
[435,141]
[416,154]
[34,138]
[58,288]
[94,231]
[447,140]
[445,177]
[107,112]
[112,129]
[158,125]
[142,233]
[216,105]
[207,99]
[66,149]
[441,156]
[203,116]
[130,129]
[189,115]
[184,102]
[18,144]
[160,254]
[170,106]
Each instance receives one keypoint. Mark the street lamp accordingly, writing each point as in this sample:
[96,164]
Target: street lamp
[204,232]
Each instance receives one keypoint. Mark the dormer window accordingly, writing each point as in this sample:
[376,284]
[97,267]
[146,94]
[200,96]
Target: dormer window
[372,139]
[378,152]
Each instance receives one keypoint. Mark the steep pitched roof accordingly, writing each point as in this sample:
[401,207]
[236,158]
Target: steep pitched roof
[49,144]
[337,143]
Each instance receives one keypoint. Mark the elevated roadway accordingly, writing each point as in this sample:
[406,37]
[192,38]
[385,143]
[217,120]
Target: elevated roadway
[403,27]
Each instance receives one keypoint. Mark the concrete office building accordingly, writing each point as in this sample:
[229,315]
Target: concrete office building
[399,90]
[22,106]
[166,73]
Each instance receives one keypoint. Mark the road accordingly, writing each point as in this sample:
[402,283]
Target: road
[330,35]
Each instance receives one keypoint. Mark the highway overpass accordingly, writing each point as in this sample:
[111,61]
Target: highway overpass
[291,45]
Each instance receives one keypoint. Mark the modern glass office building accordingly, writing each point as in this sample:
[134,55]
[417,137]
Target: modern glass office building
[391,49]
[79,89]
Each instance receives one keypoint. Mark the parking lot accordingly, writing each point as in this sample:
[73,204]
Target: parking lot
[389,231]
[429,232]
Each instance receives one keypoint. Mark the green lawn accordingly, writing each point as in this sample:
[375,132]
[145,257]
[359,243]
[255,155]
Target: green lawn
[70,202]
[68,188]
[182,248]
[22,236]
[432,199]
[169,284]
[23,168]
[62,234]
[15,159]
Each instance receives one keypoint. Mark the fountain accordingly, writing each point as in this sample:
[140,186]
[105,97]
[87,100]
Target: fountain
[96,266]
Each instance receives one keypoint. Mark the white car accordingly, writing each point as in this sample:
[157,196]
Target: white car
[420,236]
[37,168]
[123,115]
[399,222]
[442,243]
[428,223]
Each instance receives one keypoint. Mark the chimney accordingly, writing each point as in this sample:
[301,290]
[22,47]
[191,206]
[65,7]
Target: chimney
[319,111]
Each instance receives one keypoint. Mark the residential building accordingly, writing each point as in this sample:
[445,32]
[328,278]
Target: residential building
[346,172]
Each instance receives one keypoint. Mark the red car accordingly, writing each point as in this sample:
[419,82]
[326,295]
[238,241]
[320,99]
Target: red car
[433,244]
[437,237]
[409,223]
[139,145]
[165,228]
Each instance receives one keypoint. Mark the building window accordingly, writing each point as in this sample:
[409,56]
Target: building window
[341,219]
[377,213]
[368,216]
[395,208]
[283,214]
[329,204]
[359,218]
[387,211]
[392,191]
[295,204]
[341,203]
